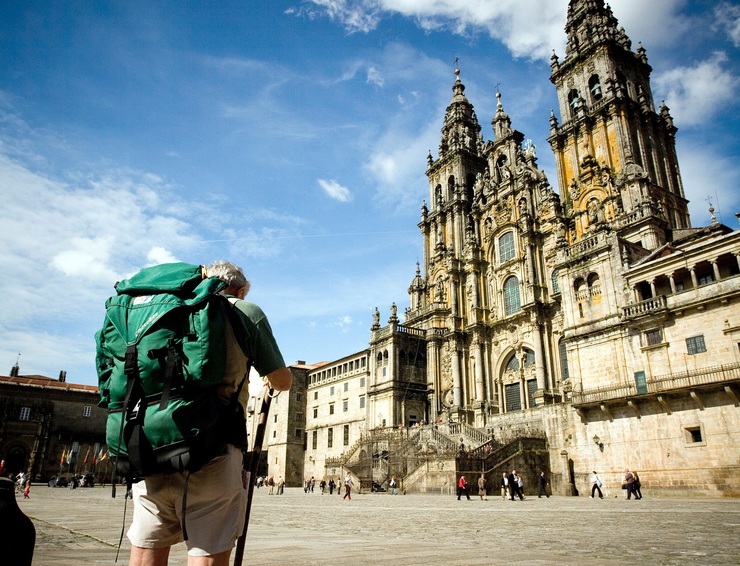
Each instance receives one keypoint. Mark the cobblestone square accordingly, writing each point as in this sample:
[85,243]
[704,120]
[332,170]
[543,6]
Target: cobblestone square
[83,526]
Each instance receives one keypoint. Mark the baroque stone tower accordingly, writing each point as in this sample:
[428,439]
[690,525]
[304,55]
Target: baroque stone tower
[483,298]
[615,156]
[596,317]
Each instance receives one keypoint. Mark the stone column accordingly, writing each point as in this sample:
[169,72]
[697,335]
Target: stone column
[480,389]
[539,359]
[672,281]
[715,268]
[456,388]
[694,280]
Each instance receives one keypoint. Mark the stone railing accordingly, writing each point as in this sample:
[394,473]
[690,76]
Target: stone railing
[648,306]
[584,246]
[472,435]
[657,384]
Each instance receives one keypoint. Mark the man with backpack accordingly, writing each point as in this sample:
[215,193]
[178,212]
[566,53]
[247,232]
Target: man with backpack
[205,506]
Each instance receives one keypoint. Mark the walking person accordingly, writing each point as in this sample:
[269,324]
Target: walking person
[504,486]
[596,485]
[393,485]
[628,483]
[462,488]
[636,486]
[331,486]
[348,483]
[482,487]
[543,485]
[520,486]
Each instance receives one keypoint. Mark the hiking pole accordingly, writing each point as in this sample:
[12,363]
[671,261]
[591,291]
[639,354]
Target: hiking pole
[252,463]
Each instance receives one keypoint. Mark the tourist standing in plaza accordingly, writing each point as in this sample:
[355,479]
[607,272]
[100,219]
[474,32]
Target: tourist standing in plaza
[462,488]
[331,486]
[216,493]
[393,485]
[482,487]
[543,485]
[596,485]
[504,486]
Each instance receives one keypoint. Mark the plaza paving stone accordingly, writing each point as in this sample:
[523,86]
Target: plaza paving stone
[83,526]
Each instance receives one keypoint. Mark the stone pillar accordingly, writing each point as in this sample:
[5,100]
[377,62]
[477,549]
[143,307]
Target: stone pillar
[456,388]
[694,280]
[480,389]
[672,281]
[653,292]
[539,359]
[715,268]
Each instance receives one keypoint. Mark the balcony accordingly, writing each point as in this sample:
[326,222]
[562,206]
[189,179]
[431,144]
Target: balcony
[647,307]
[655,386]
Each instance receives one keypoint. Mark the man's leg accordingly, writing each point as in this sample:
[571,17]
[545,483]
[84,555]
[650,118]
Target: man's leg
[149,556]
[220,559]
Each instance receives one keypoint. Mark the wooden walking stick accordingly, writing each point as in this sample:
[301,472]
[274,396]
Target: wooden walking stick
[251,465]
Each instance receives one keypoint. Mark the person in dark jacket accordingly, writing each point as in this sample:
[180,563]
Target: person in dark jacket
[514,486]
[543,485]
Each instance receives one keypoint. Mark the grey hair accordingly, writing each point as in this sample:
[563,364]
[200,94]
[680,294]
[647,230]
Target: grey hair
[229,273]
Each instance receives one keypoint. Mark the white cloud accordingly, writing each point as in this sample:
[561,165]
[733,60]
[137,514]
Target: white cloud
[728,19]
[374,76]
[344,323]
[720,187]
[335,191]
[396,165]
[528,29]
[158,255]
[696,93]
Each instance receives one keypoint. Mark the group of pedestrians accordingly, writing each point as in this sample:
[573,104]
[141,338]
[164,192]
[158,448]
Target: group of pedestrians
[310,484]
[630,483]
[271,484]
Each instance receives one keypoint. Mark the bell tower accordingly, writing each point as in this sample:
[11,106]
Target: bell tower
[615,155]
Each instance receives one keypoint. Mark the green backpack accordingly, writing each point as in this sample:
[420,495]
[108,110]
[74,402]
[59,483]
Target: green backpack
[161,354]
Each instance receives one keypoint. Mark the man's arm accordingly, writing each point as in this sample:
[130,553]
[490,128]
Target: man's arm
[280,379]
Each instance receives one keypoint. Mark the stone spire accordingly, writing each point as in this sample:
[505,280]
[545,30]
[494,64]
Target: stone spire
[461,131]
[590,23]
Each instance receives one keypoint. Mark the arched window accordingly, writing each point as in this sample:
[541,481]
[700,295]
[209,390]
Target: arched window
[528,357]
[555,284]
[594,285]
[573,101]
[512,364]
[506,250]
[579,286]
[512,302]
[594,87]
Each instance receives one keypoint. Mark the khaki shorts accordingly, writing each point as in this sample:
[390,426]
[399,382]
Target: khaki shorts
[216,502]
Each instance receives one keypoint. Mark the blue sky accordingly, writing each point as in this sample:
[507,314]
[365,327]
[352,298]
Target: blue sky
[289,137]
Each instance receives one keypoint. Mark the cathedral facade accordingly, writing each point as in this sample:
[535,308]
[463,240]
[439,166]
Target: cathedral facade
[594,317]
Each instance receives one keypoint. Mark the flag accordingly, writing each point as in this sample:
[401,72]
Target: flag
[104,456]
[61,460]
[86,455]
[69,457]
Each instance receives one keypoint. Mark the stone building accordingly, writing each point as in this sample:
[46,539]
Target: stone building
[51,427]
[594,323]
